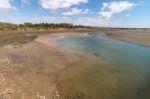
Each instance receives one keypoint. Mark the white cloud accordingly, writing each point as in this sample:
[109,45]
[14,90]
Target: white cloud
[5,5]
[109,9]
[56,4]
[76,11]
[25,1]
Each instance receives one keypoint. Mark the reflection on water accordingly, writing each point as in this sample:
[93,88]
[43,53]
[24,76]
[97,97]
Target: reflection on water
[125,74]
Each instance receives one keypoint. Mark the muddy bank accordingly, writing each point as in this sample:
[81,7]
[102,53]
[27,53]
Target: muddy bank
[15,38]
[31,70]
[49,39]
[141,37]
[27,71]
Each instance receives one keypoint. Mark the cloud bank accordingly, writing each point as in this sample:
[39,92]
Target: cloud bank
[75,11]
[57,4]
[109,9]
[5,5]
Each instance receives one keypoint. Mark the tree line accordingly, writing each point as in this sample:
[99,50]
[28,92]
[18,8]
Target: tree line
[37,26]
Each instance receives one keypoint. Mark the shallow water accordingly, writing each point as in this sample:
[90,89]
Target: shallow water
[124,75]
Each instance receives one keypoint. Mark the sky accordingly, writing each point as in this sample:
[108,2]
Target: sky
[109,13]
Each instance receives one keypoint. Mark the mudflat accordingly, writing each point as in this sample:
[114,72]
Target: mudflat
[29,62]
[27,70]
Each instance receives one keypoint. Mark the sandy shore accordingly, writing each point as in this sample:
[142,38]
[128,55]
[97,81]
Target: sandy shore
[28,71]
[140,39]
[48,39]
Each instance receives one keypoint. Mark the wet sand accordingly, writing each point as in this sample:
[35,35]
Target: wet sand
[49,39]
[141,37]
[28,71]
[133,38]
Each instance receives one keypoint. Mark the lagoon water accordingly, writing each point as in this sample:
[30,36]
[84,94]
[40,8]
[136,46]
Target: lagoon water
[124,75]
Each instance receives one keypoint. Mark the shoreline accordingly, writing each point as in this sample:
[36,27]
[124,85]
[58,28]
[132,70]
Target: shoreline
[40,62]
[32,64]
[139,36]
[142,40]
[49,39]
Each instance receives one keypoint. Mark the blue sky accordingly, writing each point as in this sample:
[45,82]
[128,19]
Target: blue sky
[114,13]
